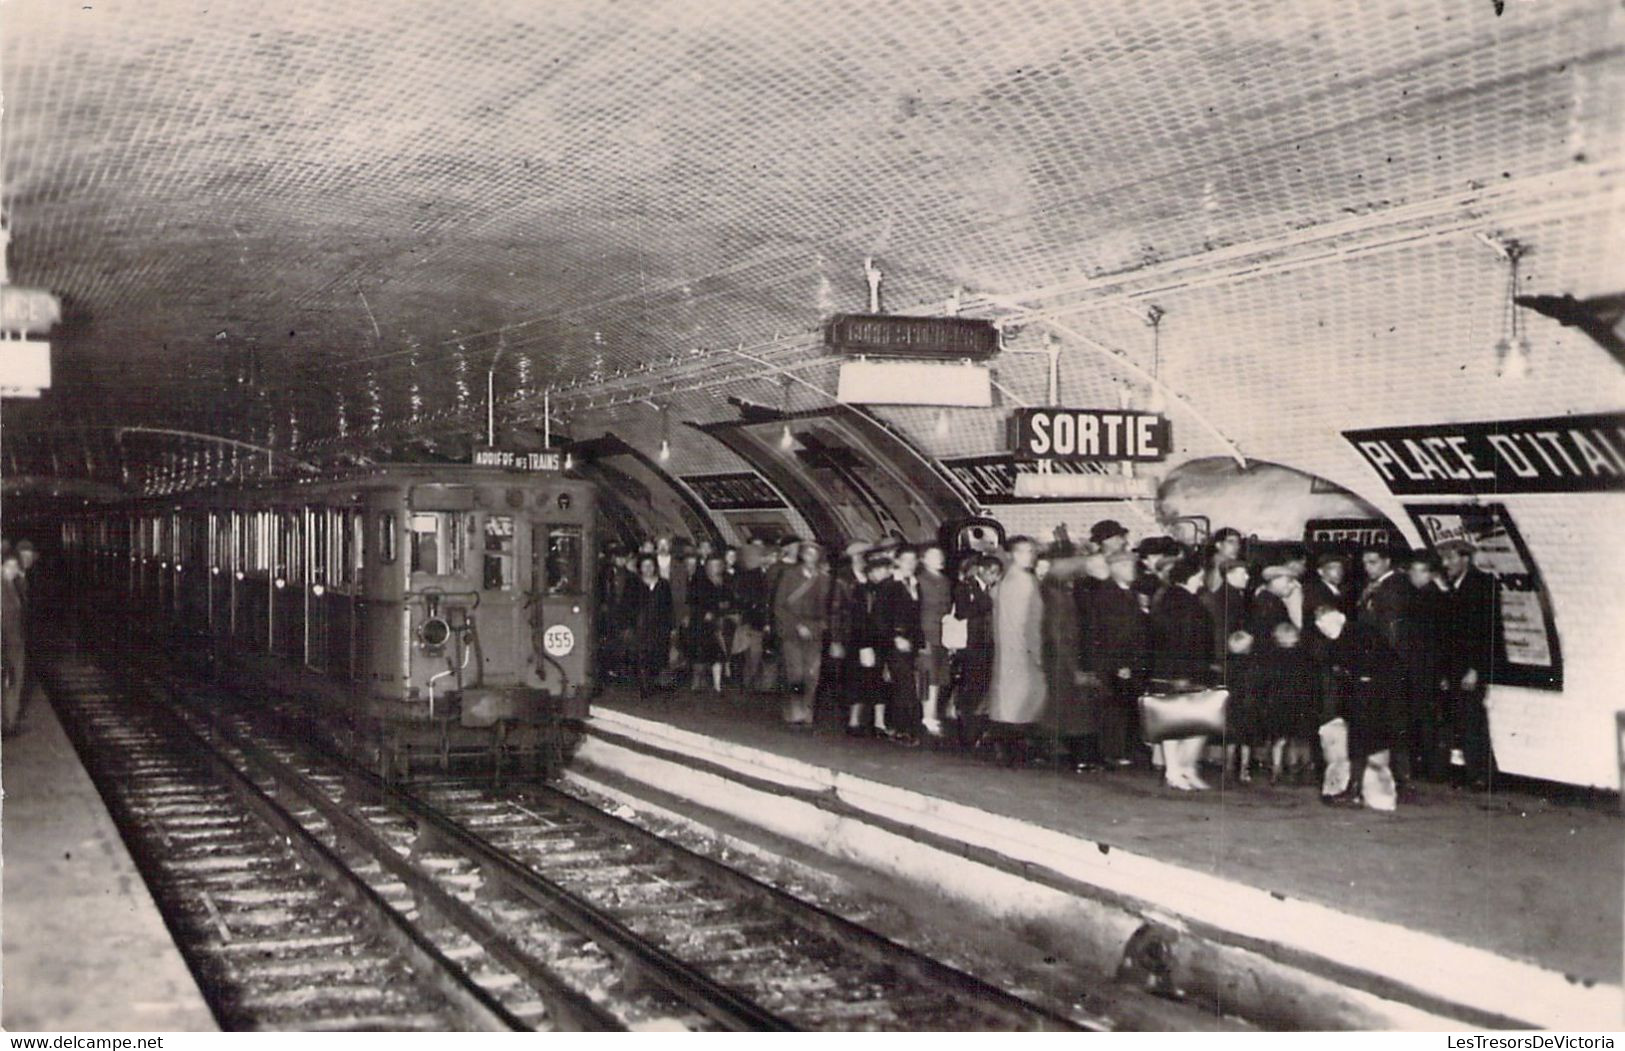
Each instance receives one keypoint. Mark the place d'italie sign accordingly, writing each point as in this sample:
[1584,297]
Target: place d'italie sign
[1554,454]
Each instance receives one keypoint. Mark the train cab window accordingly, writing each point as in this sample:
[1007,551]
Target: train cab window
[386,537]
[438,543]
[499,537]
[556,553]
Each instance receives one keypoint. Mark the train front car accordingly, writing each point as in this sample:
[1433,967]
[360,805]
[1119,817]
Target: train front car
[480,588]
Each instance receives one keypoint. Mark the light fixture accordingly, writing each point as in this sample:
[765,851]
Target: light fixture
[787,441]
[944,426]
[665,433]
[1512,350]
[1155,401]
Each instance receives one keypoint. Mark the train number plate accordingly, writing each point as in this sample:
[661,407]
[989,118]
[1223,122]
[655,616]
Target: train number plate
[558,641]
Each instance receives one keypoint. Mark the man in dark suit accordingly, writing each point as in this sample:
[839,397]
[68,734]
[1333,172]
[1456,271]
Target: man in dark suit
[1386,598]
[1472,647]
[1116,650]
[900,606]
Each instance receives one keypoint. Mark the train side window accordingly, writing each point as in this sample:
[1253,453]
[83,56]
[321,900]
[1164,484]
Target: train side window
[386,537]
[499,550]
[356,534]
[564,549]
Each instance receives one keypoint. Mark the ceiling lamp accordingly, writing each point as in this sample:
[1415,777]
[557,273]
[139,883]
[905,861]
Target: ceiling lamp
[1512,350]
[1155,400]
[665,433]
[787,441]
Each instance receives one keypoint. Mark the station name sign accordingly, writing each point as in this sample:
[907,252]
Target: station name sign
[743,491]
[902,336]
[1005,480]
[28,310]
[1555,454]
[508,460]
[1110,435]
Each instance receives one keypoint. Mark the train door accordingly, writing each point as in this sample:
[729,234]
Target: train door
[502,598]
[381,626]
[318,555]
[560,606]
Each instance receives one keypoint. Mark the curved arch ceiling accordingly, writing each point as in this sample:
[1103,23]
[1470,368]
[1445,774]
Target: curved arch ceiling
[297,222]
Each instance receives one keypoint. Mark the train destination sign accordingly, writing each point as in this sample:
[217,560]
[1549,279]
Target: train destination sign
[902,336]
[1555,454]
[507,459]
[1090,434]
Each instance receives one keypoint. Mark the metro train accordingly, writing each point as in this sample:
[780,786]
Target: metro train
[436,614]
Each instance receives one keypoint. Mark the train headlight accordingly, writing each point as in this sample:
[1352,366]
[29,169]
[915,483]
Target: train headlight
[434,632]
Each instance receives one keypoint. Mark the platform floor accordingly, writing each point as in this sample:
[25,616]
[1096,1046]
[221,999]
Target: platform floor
[84,947]
[1511,873]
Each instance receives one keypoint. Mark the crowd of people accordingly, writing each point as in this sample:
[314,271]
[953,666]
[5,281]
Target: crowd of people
[17,616]
[1045,654]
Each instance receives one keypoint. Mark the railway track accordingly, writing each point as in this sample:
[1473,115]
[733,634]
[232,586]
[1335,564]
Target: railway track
[585,921]
[277,929]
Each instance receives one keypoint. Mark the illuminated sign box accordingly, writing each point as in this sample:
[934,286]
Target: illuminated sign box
[1112,435]
[902,336]
[25,367]
[914,383]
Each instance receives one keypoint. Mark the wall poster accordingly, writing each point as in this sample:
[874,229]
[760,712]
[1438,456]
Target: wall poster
[1531,654]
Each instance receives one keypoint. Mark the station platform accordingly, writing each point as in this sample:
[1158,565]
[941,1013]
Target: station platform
[1496,910]
[84,947]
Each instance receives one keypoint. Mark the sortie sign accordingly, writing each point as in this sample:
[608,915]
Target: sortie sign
[1555,454]
[1090,434]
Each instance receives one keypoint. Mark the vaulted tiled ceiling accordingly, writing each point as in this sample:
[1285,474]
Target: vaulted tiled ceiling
[283,222]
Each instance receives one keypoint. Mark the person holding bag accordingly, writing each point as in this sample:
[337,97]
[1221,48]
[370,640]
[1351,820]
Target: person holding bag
[1182,660]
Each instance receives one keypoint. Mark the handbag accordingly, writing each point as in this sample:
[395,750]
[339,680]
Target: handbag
[955,632]
[1196,713]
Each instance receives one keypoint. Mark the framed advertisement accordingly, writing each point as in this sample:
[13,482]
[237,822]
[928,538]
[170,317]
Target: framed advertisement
[1529,653]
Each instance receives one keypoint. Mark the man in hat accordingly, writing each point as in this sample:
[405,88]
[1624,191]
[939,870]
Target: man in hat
[1109,536]
[871,639]
[847,578]
[1424,746]
[753,596]
[1329,585]
[801,601]
[1117,652]
[1472,647]
[1280,600]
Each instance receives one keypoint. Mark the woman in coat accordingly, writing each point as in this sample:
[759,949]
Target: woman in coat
[1069,721]
[1016,699]
[1182,659]
[650,605]
[710,604]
